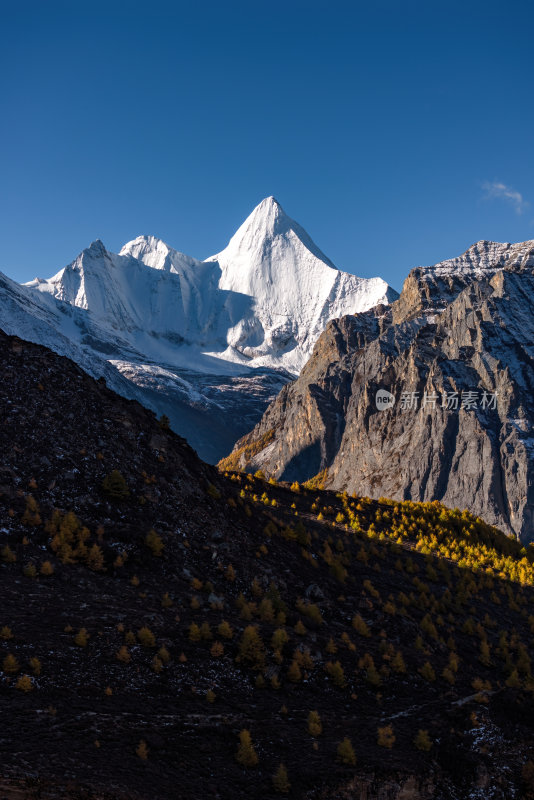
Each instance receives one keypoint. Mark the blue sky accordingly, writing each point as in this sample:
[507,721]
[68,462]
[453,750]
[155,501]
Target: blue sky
[396,133]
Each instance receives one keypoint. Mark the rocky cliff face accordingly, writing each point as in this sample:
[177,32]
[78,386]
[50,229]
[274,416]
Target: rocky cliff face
[429,289]
[456,352]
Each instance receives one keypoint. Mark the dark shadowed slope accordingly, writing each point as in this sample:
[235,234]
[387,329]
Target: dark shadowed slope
[149,618]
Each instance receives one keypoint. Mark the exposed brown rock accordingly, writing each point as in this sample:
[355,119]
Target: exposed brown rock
[466,327]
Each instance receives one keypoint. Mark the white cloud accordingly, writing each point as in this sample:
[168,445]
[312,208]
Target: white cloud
[500,191]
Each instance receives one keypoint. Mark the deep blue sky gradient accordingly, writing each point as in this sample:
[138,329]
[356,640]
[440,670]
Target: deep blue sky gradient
[376,125]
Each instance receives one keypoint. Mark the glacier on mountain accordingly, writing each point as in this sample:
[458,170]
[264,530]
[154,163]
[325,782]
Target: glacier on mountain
[209,343]
[263,301]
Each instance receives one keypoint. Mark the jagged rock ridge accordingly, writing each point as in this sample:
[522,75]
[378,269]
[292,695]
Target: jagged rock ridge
[463,325]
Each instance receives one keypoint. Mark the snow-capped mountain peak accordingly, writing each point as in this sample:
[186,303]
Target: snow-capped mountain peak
[84,282]
[208,343]
[263,301]
[267,224]
[268,219]
[295,289]
[96,249]
[157,254]
[485,256]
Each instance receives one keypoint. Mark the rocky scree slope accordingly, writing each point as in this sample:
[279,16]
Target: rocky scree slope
[149,618]
[463,325]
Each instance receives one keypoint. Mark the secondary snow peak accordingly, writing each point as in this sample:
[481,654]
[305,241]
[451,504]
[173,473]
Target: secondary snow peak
[155,253]
[96,249]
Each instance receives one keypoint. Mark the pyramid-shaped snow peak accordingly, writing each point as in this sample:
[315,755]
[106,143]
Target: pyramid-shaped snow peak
[295,288]
[267,225]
